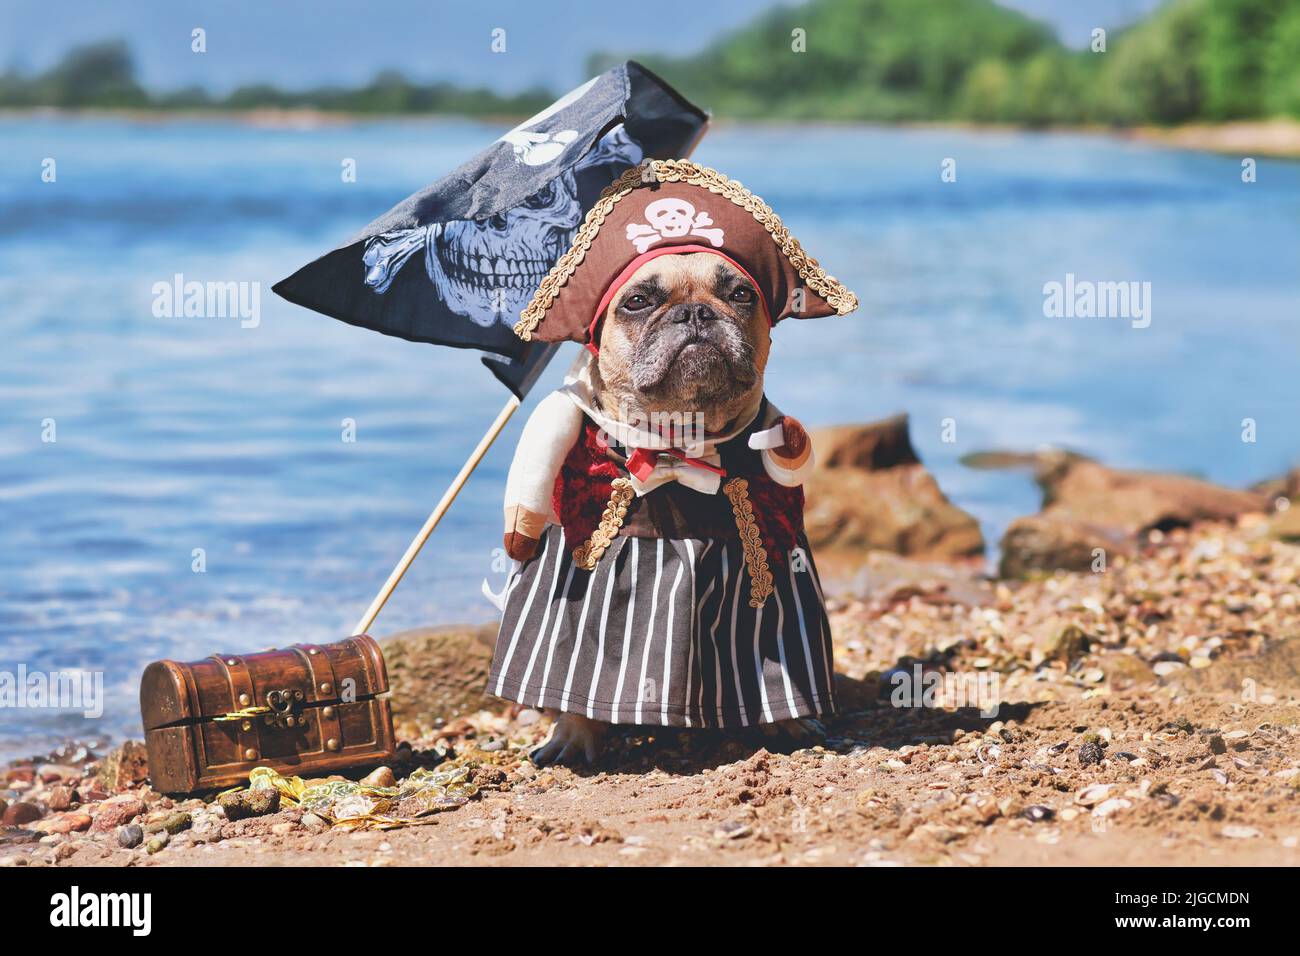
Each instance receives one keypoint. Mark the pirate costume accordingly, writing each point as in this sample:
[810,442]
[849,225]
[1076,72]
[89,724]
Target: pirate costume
[673,583]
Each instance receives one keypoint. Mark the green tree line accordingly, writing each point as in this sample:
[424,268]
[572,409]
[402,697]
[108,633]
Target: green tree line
[102,76]
[880,60]
[972,60]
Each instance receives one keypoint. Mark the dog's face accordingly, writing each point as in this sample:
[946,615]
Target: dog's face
[686,333]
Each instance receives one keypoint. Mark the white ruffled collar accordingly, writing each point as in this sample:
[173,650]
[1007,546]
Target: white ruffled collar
[578,386]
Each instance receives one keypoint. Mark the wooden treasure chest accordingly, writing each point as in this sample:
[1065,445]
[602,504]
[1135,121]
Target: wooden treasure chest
[309,710]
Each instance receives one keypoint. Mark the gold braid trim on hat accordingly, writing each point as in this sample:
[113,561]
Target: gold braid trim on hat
[751,542]
[679,171]
[587,554]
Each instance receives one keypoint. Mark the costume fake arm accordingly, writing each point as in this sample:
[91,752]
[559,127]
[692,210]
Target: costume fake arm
[785,448]
[546,440]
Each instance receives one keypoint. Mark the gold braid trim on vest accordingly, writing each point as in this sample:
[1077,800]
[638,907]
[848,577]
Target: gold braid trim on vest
[751,542]
[587,554]
[679,171]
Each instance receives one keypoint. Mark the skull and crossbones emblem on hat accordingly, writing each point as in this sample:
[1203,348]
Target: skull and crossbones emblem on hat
[672,218]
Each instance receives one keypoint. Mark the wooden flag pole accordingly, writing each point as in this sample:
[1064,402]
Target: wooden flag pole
[363,626]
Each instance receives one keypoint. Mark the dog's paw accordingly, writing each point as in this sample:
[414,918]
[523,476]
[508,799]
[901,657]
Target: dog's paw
[794,440]
[802,731]
[520,546]
[573,740]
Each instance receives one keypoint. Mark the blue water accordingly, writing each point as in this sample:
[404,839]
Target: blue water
[175,434]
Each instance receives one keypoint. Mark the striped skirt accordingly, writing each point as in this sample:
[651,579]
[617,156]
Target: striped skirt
[661,632]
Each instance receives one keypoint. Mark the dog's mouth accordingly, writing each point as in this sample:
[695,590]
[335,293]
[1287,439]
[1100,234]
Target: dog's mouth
[717,359]
[697,348]
[693,351]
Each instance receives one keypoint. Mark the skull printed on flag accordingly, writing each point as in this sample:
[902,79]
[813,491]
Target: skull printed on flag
[486,270]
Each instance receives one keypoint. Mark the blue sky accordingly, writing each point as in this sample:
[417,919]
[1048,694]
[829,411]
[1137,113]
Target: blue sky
[302,43]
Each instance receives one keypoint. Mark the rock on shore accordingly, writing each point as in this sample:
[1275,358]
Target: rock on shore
[1091,510]
[869,491]
[1137,501]
[1284,492]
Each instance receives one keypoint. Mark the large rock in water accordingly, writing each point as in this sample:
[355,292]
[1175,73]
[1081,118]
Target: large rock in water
[1136,502]
[1088,508]
[869,491]
[439,673]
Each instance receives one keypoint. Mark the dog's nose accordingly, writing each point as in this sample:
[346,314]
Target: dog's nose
[691,310]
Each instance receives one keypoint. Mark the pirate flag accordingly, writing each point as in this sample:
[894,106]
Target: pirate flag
[455,263]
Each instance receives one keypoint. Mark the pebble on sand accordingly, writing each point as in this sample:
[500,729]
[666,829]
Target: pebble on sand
[1093,794]
[1090,753]
[21,813]
[124,766]
[1235,831]
[380,777]
[173,823]
[1107,807]
[249,803]
[70,822]
[116,812]
[733,830]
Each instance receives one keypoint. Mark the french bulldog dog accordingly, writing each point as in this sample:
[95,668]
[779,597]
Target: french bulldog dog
[654,505]
[686,337]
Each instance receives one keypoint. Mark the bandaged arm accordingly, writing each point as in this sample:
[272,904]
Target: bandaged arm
[785,448]
[548,436]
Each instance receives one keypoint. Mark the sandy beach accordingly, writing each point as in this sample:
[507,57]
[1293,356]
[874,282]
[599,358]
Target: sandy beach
[1277,139]
[1148,713]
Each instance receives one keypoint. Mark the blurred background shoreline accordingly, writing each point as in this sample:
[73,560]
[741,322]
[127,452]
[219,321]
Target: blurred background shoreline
[1193,73]
[1277,138]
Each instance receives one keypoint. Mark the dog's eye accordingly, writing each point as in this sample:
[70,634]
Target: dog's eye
[636,302]
[742,293]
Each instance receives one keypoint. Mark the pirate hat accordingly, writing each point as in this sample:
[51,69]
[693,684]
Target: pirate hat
[675,206]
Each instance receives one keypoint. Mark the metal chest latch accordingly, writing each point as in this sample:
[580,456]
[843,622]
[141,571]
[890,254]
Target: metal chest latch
[285,708]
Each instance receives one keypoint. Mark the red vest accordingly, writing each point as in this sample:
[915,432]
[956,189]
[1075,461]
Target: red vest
[583,487]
